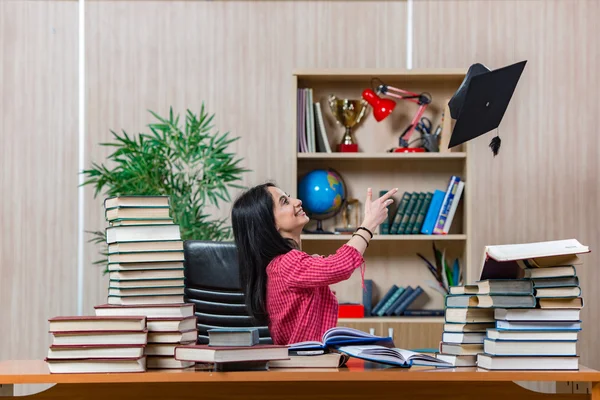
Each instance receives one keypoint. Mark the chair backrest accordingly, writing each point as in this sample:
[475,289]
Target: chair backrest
[212,284]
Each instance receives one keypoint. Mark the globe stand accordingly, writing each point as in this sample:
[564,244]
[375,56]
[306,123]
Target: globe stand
[319,230]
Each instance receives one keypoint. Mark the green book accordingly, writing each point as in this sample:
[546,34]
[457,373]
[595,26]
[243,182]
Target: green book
[415,212]
[422,212]
[409,209]
[399,213]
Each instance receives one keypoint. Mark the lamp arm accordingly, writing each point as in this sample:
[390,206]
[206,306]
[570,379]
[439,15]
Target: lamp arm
[410,129]
[399,93]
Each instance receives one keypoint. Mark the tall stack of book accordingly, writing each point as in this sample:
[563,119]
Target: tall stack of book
[145,264]
[533,294]
[91,344]
[544,335]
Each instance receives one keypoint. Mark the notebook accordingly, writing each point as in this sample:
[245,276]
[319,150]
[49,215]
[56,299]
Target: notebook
[393,356]
[342,336]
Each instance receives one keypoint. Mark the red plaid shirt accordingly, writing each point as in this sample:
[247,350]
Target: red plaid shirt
[300,304]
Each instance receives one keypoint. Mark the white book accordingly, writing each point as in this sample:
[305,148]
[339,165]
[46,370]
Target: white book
[167,362]
[467,360]
[97,338]
[453,207]
[96,365]
[532,335]
[171,324]
[536,314]
[139,233]
[145,299]
[162,349]
[181,310]
[523,251]
[460,337]
[90,323]
[95,351]
[487,361]
[172,337]
[321,133]
[529,348]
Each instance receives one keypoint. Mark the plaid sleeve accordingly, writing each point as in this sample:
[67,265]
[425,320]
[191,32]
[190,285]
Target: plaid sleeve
[301,270]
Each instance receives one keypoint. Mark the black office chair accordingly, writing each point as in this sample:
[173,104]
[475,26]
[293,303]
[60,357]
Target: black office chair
[212,284]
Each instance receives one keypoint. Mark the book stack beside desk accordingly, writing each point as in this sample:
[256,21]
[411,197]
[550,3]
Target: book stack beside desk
[531,294]
[91,344]
[145,264]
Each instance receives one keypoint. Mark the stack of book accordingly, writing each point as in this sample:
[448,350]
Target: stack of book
[232,349]
[544,335]
[532,298]
[91,344]
[168,325]
[145,264]
[145,251]
[464,327]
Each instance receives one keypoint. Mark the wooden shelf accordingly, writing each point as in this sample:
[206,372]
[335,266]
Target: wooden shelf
[392,259]
[381,156]
[385,320]
[386,237]
[365,74]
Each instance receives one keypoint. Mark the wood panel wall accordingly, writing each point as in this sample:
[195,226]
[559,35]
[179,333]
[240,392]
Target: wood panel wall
[38,172]
[237,58]
[544,183]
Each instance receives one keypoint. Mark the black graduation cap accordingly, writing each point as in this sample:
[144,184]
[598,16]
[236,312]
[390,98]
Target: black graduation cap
[481,101]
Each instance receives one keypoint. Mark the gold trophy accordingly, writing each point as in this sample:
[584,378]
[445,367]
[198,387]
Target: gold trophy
[347,113]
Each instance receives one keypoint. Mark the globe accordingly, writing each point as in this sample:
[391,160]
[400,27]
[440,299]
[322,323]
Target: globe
[323,194]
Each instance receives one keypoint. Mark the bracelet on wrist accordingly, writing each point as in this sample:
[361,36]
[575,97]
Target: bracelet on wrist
[362,237]
[365,229]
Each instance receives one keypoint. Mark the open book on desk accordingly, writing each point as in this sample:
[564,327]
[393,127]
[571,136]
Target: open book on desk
[342,336]
[393,356]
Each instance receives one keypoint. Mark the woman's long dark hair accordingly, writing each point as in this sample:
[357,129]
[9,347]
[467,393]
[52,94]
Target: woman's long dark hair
[258,242]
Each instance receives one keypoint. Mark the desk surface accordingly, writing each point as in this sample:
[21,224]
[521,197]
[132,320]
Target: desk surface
[36,371]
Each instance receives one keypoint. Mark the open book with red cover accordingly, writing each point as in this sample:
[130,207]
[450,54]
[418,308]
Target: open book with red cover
[342,336]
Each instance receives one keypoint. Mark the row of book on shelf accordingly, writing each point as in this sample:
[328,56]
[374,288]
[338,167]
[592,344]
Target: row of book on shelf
[428,213]
[312,134]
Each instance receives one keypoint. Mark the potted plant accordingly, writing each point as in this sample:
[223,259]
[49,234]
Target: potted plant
[188,163]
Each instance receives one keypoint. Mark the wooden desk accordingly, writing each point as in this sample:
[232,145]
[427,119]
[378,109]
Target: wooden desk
[359,380]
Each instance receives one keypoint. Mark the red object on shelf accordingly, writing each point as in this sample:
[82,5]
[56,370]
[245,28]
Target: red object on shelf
[348,148]
[351,311]
[409,150]
[381,107]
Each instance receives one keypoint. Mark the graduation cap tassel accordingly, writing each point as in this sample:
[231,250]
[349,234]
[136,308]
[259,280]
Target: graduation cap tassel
[495,145]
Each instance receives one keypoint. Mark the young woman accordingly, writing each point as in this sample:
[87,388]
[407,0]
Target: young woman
[285,288]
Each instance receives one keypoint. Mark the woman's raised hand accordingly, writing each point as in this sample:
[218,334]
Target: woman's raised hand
[376,211]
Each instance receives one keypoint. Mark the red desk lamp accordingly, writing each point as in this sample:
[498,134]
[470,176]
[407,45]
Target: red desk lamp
[382,107]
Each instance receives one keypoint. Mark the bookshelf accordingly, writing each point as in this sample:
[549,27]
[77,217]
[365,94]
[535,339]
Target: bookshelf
[390,259]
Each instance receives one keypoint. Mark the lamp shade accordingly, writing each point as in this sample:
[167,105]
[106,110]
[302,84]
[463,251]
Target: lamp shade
[381,107]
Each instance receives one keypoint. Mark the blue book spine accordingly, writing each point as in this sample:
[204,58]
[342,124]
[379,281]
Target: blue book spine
[408,301]
[368,297]
[446,204]
[432,212]
[384,299]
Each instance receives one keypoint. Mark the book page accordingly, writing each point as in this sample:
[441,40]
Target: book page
[532,250]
